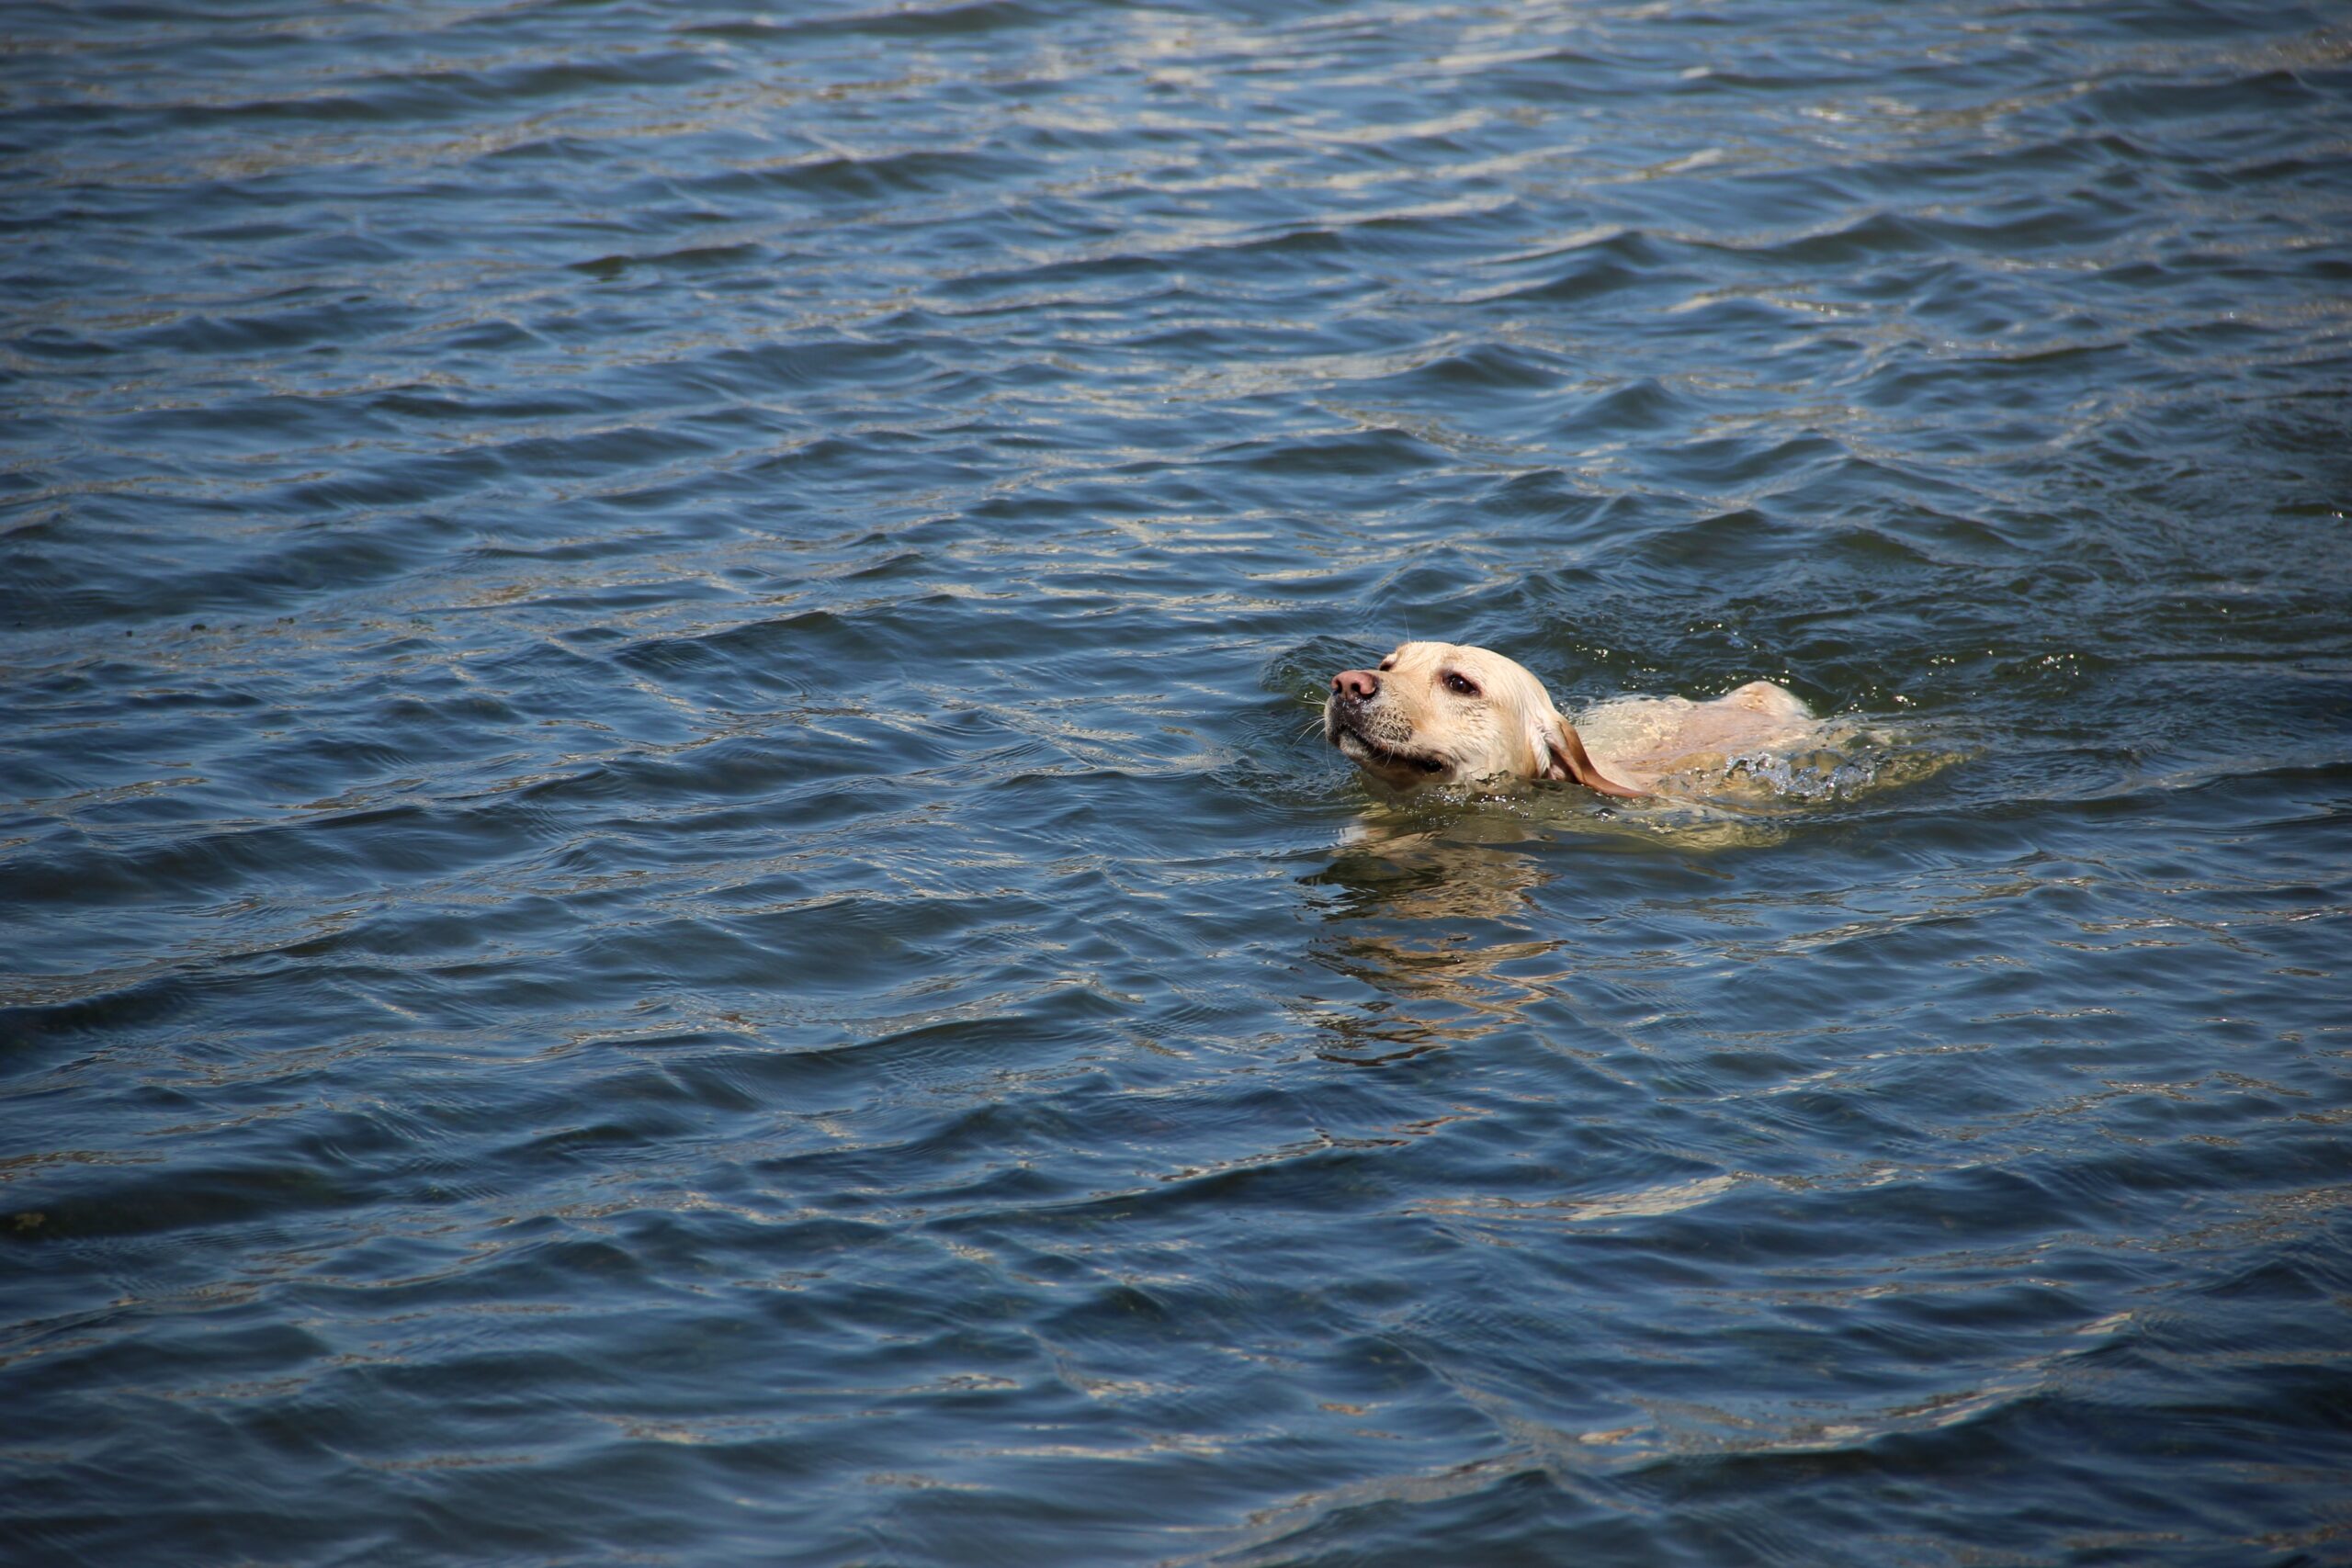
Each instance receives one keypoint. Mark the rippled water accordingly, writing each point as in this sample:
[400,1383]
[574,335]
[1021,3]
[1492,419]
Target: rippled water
[668,896]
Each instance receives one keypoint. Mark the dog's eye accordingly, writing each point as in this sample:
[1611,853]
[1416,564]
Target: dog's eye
[1459,684]
[1388,663]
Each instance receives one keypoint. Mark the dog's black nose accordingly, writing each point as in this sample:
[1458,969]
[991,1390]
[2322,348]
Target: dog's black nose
[1361,684]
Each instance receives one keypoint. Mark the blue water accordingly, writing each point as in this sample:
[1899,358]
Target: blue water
[670,895]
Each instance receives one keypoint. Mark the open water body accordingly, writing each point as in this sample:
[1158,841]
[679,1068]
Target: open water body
[667,899]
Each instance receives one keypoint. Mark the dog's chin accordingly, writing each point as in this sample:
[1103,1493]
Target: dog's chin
[1392,765]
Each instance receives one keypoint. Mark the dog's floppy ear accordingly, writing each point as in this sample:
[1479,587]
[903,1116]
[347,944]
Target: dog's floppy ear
[1569,761]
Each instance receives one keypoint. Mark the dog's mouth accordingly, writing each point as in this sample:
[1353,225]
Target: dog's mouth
[1345,733]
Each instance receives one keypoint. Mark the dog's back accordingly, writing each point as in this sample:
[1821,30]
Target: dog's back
[1643,740]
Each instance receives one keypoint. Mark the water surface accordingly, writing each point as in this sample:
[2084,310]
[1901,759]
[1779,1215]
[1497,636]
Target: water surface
[667,899]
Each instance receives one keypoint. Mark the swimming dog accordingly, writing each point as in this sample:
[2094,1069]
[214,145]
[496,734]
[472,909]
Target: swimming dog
[1448,713]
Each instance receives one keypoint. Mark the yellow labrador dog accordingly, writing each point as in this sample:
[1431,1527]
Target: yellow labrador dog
[1446,713]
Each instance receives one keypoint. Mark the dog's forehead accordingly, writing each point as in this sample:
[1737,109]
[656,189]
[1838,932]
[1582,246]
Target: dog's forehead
[1468,657]
[1485,661]
[1425,655]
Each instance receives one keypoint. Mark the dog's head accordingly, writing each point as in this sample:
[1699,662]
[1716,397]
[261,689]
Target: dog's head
[1445,713]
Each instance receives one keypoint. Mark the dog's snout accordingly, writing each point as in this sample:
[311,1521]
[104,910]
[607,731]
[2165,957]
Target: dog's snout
[1361,684]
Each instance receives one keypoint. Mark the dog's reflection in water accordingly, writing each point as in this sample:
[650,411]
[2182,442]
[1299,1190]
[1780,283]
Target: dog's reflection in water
[1441,926]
